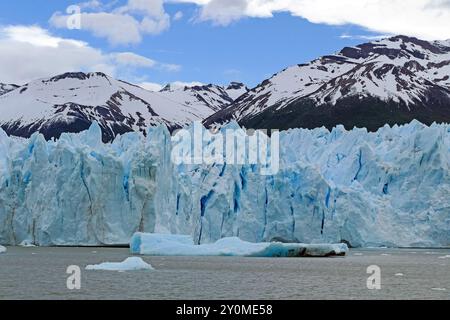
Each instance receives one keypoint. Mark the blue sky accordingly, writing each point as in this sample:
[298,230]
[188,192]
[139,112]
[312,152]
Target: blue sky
[194,41]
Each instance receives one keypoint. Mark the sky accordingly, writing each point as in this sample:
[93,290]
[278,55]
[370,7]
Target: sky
[155,42]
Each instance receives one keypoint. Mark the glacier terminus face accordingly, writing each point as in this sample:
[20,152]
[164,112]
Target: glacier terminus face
[387,188]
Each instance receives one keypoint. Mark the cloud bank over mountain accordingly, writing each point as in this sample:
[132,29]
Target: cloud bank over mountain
[31,52]
[427,19]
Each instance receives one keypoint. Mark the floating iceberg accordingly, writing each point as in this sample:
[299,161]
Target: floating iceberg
[129,264]
[176,245]
[388,188]
[2,249]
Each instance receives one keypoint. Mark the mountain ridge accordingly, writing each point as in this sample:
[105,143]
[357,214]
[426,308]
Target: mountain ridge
[5,88]
[400,78]
[70,102]
[390,81]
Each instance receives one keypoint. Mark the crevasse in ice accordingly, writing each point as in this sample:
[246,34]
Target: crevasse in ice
[389,188]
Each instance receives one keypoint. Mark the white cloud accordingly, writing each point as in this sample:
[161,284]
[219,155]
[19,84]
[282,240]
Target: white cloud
[178,16]
[92,4]
[133,60]
[363,37]
[170,67]
[36,36]
[223,12]
[428,19]
[30,52]
[151,86]
[116,28]
[121,25]
[151,8]
[154,26]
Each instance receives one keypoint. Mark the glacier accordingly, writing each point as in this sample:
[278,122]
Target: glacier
[179,245]
[387,188]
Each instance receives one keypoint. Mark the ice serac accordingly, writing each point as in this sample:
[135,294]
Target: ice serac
[178,245]
[79,191]
[388,188]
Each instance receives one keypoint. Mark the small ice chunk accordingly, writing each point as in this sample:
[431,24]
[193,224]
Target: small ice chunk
[447,256]
[2,249]
[26,244]
[180,245]
[439,289]
[399,274]
[129,264]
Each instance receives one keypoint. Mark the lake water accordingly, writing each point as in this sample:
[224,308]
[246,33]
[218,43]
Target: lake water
[40,273]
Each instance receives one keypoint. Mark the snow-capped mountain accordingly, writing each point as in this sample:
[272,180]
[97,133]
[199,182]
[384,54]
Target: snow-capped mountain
[390,81]
[71,102]
[5,88]
[214,96]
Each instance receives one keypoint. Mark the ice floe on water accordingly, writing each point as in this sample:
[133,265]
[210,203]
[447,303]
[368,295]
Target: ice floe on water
[439,289]
[181,245]
[129,264]
[2,249]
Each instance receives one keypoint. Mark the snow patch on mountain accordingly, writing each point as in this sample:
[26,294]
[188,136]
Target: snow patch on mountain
[213,96]
[236,89]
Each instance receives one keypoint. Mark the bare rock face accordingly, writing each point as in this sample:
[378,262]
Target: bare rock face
[5,88]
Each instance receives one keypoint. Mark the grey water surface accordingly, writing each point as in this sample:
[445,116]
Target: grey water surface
[40,273]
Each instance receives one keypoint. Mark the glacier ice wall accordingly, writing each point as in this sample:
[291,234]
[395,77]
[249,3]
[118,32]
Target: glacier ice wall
[78,191]
[389,188]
